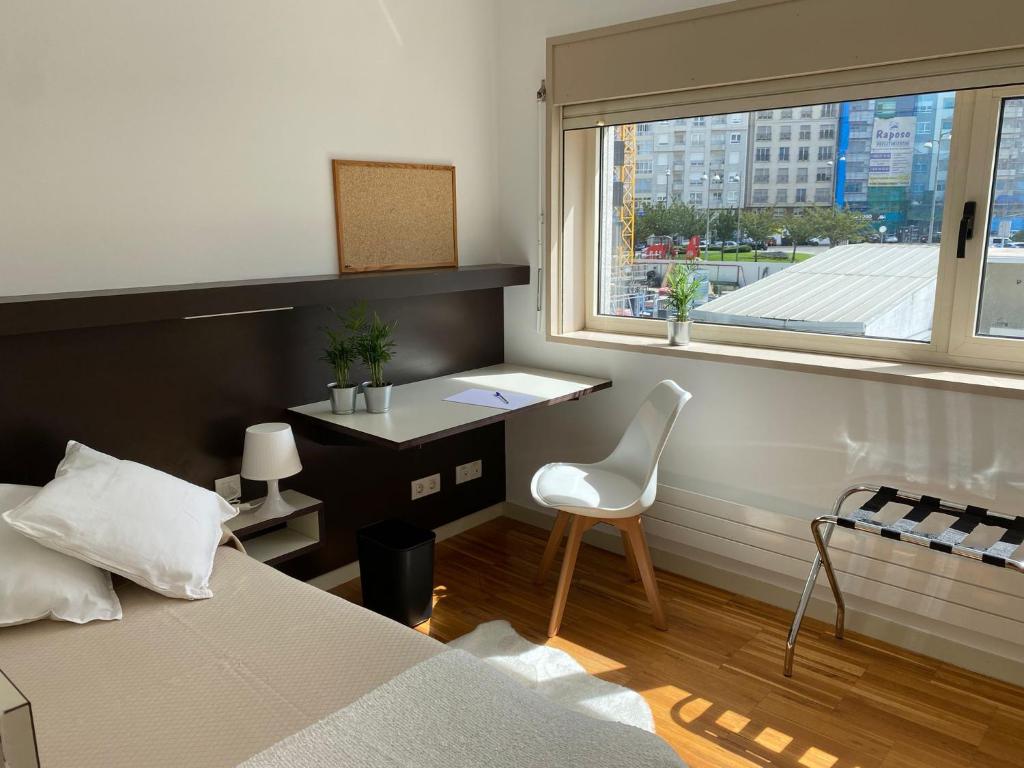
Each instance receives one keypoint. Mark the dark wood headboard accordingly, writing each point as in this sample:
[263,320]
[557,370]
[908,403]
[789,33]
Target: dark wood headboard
[178,394]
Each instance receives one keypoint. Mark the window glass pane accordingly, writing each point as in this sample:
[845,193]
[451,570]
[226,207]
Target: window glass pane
[1002,288]
[846,246]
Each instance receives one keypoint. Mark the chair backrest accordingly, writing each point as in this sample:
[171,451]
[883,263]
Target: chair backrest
[637,454]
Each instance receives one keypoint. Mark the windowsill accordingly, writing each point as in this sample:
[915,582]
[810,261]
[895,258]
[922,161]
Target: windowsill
[911,374]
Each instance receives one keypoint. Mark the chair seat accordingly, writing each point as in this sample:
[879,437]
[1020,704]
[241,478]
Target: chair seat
[586,489]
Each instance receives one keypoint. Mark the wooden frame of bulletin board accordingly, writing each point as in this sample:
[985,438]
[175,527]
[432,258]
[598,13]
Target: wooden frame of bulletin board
[394,215]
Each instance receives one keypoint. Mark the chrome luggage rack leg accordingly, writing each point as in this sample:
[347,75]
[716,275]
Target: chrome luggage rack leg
[821,540]
[952,540]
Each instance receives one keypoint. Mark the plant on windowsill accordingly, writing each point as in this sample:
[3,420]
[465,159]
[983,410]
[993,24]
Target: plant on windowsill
[374,345]
[340,353]
[683,287]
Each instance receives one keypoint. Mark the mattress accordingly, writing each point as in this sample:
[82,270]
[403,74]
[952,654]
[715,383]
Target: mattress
[201,683]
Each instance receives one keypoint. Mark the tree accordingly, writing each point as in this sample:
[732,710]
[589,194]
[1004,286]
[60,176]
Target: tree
[801,226]
[840,225]
[723,226]
[671,219]
[759,224]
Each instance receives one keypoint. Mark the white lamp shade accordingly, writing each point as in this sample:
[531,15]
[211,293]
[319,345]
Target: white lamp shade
[270,452]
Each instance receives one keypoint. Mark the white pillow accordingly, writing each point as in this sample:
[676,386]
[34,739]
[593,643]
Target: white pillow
[38,583]
[143,524]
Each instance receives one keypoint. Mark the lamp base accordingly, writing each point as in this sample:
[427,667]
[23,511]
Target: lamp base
[273,505]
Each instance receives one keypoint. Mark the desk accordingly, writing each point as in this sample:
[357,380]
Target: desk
[419,413]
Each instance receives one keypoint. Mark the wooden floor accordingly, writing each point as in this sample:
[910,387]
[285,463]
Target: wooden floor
[714,680]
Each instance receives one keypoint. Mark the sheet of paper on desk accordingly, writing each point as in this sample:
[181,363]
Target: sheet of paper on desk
[489,398]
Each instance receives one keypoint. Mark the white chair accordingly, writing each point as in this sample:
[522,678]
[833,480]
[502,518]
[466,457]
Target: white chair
[616,490]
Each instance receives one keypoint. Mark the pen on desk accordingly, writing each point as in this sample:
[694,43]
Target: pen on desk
[501,397]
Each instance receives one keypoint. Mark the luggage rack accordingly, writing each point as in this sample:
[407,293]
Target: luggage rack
[950,540]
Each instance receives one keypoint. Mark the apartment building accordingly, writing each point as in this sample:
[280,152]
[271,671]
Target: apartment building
[793,157]
[697,160]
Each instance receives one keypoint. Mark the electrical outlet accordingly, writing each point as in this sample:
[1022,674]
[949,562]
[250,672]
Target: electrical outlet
[470,471]
[229,487]
[426,486]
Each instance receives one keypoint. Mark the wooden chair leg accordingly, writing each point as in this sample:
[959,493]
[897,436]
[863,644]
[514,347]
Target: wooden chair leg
[627,548]
[579,526]
[633,529]
[554,542]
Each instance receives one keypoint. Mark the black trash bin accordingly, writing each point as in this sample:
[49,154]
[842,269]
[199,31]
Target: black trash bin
[396,568]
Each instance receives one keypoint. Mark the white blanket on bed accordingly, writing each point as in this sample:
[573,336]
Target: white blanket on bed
[454,711]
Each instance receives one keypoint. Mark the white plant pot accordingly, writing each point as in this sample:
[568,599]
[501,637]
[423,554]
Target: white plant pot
[679,332]
[343,399]
[378,399]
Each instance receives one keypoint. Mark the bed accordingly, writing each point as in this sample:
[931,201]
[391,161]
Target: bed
[270,663]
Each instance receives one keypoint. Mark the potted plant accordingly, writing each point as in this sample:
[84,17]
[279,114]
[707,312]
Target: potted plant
[374,345]
[340,353]
[683,287]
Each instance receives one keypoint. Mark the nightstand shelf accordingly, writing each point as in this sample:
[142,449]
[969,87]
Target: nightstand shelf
[279,539]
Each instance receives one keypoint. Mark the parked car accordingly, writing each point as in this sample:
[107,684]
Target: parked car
[999,242]
[819,241]
[874,238]
[891,239]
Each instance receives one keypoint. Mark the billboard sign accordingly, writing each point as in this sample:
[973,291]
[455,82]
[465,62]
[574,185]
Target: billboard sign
[892,152]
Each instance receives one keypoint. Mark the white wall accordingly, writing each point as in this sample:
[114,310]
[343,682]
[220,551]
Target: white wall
[759,452]
[148,143]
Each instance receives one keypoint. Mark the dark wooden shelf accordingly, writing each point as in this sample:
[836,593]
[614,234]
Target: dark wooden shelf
[61,311]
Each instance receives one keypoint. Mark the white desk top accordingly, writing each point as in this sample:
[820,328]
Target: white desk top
[419,413]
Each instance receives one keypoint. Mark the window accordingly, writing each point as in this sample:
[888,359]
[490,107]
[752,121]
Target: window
[663,139]
[680,137]
[888,178]
[696,139]
[1000,301]
[786,114]
[785,133]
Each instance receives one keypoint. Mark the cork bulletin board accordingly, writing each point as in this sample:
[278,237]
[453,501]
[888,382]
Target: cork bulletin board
[394,215]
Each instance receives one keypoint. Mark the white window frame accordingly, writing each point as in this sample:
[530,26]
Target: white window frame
[573,286]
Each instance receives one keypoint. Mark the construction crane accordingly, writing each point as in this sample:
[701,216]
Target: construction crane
[625,194]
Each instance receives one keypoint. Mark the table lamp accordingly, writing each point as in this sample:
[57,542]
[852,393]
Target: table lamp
[270,454]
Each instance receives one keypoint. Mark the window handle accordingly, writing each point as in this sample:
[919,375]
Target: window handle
[966,229]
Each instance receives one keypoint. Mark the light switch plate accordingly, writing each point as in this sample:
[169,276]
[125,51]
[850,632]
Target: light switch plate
[426,486]
[230,487]
[472,470]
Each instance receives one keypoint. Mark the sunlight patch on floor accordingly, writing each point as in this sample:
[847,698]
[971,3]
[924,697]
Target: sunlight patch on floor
[732,721]
[774,740]
[691,710]
[818,758]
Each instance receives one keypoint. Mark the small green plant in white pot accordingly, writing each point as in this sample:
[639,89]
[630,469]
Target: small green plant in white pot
[683,288]
[340,353]
[375,345]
